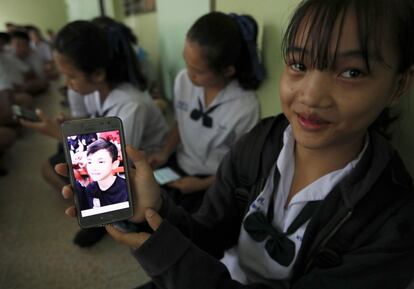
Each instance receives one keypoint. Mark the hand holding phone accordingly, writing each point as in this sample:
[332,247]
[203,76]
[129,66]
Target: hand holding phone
[20,112]
[141,176]
[102,189]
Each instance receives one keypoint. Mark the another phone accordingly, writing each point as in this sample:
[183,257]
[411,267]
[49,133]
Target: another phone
[98,169]
[166,175]
[24,113]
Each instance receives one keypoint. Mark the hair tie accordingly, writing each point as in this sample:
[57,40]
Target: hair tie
[248,32]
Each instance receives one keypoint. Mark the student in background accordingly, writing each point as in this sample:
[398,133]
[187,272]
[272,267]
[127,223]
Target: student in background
[44,49]
[315,197]
[214,102]
[7,135]
[107,75]
[37,81]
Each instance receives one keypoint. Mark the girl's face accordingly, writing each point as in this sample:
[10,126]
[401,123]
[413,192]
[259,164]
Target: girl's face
[198,70]
[99,165]
[333,108]
[75,78]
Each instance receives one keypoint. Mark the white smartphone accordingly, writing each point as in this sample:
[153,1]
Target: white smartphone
[166,175]
[98,168]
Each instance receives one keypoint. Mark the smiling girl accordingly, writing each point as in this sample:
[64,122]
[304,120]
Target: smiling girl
[315,198]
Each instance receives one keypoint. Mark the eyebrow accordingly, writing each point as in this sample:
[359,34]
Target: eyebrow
[356,53]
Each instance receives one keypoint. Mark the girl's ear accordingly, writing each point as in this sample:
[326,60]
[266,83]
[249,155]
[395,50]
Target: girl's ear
[404,84]
[99,75]
[229,71]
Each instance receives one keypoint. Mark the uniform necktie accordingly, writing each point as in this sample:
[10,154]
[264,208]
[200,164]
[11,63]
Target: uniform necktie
[207,120]
[279,247]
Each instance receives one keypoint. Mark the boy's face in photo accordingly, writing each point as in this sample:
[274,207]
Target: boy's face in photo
[99,165]
[333,108]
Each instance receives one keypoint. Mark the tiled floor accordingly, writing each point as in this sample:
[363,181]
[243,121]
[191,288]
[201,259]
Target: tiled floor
[36,249]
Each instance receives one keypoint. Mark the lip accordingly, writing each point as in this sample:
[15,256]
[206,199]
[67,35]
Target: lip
[311,121]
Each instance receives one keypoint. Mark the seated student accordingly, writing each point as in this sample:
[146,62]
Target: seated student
[43,48]
[315,197]
[13,73]
[214,103]
[37,82]
[7,135]
[108,78]
[105,188]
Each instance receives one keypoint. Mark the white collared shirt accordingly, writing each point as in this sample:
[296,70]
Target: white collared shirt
[202,148]
[144,125]
[248,261]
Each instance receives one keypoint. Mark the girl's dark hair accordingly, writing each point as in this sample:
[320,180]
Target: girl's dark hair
[90,47]
[102,144]
[223,43]
[374,18]
[19,34]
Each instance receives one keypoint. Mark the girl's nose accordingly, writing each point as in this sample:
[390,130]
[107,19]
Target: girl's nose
[315,90]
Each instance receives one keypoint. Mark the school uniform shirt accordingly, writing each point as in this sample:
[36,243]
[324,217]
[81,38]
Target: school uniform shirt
[202,148]
[43,49]
[144,125]
[117,193]
[36,63]
[12,70]
[248,262]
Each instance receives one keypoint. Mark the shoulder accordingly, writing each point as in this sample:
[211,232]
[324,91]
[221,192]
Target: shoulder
[182,76]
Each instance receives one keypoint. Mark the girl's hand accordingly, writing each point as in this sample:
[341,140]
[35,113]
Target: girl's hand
[188,185]
[135,240]
[158,159]
[46,125]
[145,190]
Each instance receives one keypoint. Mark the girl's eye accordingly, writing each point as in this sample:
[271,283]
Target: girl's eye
[298,67]
[352,73]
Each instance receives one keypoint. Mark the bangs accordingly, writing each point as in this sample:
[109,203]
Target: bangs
[312,26]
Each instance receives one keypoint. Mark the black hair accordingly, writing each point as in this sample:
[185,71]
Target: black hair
[102,144]
[18,34]
[90,48]
[374,17]
[222,40]
[105,21]
[5,37]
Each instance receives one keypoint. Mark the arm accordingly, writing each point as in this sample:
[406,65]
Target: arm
[385,260]
[158,159]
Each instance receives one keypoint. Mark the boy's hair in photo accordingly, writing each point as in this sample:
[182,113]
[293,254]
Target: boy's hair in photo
[101,144]
[91,47]
[375,19]
[223,44]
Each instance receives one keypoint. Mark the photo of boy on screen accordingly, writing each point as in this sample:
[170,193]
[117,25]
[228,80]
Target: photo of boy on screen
[100,180]
[105,188]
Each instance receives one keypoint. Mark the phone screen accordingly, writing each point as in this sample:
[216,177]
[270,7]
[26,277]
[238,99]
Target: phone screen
[98,166]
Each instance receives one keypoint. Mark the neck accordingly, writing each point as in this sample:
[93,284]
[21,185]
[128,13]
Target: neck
[317,163]
[312,164]
[210,93]
[107,182]
[104,91]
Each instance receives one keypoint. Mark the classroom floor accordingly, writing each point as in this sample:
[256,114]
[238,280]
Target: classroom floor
[36,249]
